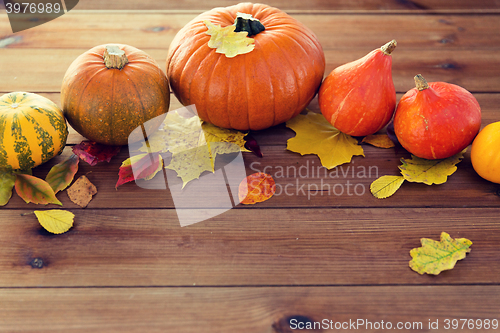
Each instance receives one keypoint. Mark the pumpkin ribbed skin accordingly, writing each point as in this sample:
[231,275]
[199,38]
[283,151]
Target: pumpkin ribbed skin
[32,130]
[257,90]
[106,104]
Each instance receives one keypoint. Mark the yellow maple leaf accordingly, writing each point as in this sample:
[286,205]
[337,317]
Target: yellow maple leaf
[194,144]
[56,221]
[315,135]
[228,42]
[191,163]
[434,257]
[429,171]
[386,186]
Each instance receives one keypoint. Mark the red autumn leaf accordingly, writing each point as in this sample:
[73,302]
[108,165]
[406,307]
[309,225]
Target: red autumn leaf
[35,190]
[62,174]
[142,166]
[93,152]
[255,188]
[252,145]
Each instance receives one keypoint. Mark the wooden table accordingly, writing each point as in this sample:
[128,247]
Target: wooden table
[128,266]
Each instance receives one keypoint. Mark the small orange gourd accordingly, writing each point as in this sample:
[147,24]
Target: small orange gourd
[436,120]
[485,153]
[359,98]
[110,90]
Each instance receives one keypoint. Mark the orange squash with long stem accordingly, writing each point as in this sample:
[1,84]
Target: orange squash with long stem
[359,98]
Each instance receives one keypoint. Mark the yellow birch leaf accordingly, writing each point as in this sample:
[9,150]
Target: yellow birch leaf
[379,140]
[386,186]
[315,135]
[429,172]
[228,42]
[434,257]
[55,221]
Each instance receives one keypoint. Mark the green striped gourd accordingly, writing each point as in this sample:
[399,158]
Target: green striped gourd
[32,130]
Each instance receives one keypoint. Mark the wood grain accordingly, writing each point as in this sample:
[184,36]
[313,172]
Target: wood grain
[243,247]
[298,5]
[153,30]
[227,310]
[475,71]
[128,266]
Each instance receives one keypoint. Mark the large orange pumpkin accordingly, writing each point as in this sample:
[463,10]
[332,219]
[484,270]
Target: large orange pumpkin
[111,90]
[256,90]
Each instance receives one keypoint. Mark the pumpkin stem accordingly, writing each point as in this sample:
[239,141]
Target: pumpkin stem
[420,82]
[114,57]
[389,47]
[248,23]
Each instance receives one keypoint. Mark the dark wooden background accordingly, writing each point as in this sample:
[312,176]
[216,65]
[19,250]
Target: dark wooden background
[128,266]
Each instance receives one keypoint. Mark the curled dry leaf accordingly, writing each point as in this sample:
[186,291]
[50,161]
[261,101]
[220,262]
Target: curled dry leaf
[93,152]
[252,145]
[257,187]
[81,191]
[434,257]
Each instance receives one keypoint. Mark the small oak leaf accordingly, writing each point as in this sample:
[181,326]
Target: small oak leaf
[434,257]
[315,135]
[386,186]
[429,171]
[81,191]
[228,42]
[56,221]
[257,187]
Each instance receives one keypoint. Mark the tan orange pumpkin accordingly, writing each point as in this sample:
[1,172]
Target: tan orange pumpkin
[265,87]
[110,90]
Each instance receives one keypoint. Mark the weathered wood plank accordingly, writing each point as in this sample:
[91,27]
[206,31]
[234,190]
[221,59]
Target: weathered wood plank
[297,5]
[151,30]
[475,71]
[108,247]
[301,182]
[244,310]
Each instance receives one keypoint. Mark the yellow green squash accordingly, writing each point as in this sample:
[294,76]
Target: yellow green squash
[32,130]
